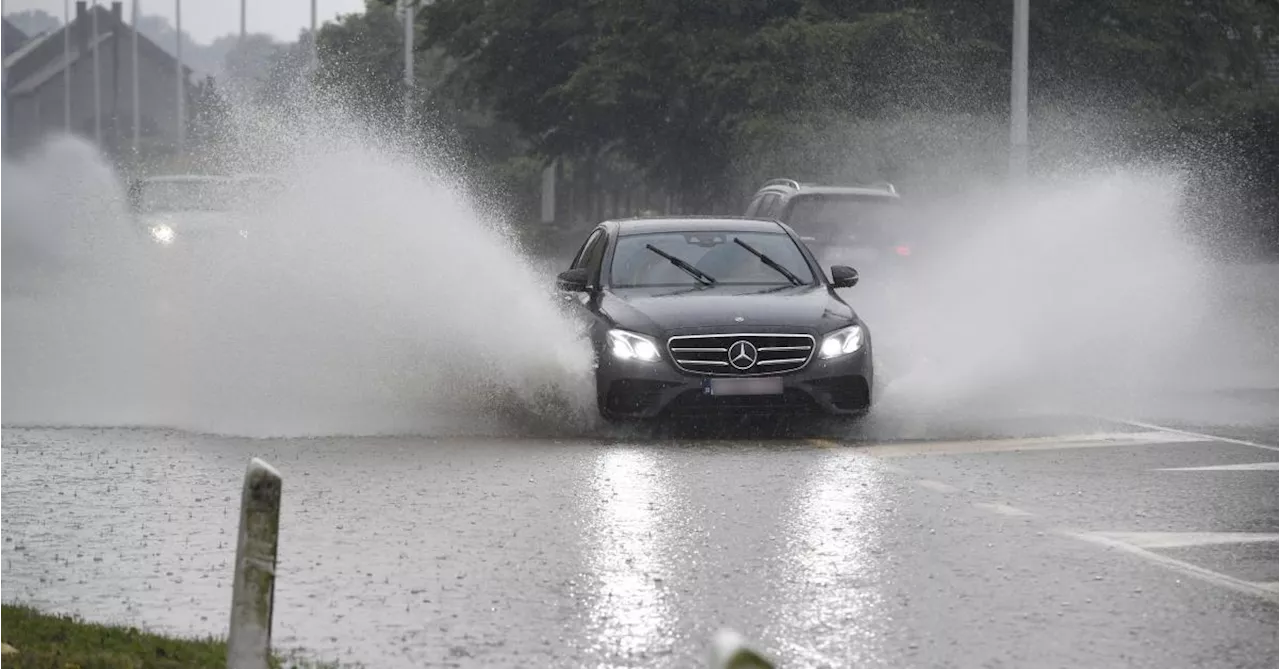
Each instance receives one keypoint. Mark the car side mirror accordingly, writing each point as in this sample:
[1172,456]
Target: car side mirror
[843,276]
[573,280]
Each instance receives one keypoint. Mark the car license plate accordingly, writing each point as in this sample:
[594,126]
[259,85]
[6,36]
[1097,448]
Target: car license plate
[753,386]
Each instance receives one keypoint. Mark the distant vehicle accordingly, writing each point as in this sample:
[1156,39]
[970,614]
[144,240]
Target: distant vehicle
[862,225]
[196,208]
[703,316]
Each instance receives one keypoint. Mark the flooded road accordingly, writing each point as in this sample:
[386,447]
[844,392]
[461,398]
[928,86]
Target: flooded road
[1070,548]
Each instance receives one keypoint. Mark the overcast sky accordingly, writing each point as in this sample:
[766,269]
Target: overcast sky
[205,20]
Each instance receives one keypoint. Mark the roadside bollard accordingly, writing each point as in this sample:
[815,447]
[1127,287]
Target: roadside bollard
[253,588]
[730,651]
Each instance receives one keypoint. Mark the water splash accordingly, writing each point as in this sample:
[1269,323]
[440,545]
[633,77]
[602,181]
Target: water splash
[372,296]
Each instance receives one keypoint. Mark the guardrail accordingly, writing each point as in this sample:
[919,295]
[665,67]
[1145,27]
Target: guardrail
[253,589]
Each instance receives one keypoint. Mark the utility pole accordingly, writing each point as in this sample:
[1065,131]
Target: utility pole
[137,95]
[408,64]
[315,46]
[1018,92]
[243,23]
[97,78]
[182,79]
[66,58]
[4,83]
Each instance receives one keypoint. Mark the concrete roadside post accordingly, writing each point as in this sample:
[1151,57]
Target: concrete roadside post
[253,588]
[730,651]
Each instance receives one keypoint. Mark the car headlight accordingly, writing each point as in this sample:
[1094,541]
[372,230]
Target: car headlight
[631,346]
[162,234]
[841,342]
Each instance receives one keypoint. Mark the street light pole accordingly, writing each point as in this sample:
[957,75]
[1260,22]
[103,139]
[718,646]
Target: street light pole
[4,83]
[1018,92]
[137,97]
[97,80]
[182,79]
[408,63]
[66,58]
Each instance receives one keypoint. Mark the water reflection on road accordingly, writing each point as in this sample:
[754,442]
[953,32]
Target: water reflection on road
[630,616]
[832,614]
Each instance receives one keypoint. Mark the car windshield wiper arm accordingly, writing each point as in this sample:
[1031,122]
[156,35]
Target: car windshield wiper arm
[795,280]
[693,271]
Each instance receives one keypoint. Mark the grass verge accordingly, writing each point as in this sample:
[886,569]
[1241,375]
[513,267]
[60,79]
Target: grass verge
[45,641]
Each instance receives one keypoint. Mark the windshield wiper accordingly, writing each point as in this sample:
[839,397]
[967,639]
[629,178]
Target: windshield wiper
[690,269]
[795,280]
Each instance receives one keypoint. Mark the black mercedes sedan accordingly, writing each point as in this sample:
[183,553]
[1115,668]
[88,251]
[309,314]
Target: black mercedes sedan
[708,316]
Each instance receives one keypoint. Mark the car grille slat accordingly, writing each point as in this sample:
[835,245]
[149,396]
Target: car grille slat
[721,354]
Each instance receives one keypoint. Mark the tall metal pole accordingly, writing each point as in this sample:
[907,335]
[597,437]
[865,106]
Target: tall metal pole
[66,58]
[137,96]
[243,20]
[408,63]
[182,80]
[4,83]
[1018,89]
[315,46]
[97,79]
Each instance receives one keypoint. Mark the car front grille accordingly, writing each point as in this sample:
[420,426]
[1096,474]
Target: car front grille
[741,354]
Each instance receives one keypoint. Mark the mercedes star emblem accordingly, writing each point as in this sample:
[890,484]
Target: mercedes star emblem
[742,355]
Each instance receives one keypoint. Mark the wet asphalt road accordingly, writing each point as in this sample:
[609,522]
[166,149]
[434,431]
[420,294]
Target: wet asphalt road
[1025,544]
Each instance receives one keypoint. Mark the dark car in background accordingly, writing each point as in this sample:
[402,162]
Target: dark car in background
[863,226]
[700,316]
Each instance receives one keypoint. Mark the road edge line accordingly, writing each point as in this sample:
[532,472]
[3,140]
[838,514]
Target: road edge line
[1206,575]
[1186,433]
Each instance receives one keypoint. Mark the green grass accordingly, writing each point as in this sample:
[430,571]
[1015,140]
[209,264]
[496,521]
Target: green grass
[47,641]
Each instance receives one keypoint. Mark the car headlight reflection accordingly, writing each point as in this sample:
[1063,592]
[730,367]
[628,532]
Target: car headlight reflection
[162,234]
[631,346]
[841,342]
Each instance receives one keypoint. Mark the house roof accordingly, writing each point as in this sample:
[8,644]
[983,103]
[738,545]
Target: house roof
[57,61]
[13,37]
[55,67]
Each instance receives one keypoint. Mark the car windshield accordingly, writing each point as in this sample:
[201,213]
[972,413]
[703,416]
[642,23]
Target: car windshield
[871,221]
[213,194]
[716,254]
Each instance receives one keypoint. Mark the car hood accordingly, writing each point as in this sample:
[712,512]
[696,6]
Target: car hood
[668,310]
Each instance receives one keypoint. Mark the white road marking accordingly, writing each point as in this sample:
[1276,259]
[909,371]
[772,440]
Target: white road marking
[1251,467]
[1003,509]
[936,486]
[1187,539]
[1199,436]
[1264,590]
[1102,440]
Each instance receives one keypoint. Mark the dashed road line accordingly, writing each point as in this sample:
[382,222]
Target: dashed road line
[1003,509]
[1199,436]
[824,443]
[1263,590]
[936,486]
[1251,467]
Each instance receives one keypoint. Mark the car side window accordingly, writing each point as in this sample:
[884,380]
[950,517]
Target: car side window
[594,256]
[580,260]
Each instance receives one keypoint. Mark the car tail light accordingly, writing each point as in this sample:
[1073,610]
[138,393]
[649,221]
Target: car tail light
[903,250]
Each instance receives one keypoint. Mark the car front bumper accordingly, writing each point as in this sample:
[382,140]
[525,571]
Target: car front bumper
[637,390]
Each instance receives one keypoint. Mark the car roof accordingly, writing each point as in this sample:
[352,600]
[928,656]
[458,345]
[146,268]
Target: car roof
[197,178]
[788,186]
[658,224]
